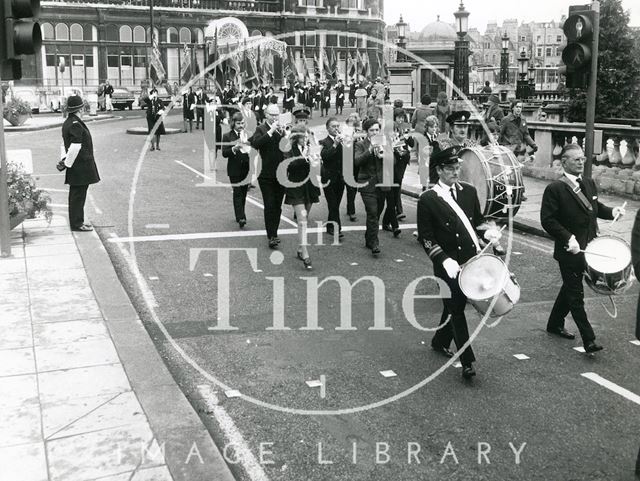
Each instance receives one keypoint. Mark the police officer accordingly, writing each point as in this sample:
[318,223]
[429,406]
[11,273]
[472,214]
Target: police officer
[78,160]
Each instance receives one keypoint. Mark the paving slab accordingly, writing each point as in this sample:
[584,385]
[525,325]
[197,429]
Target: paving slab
[26,462]
[14,362]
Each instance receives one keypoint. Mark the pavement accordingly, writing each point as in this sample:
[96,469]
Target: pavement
[86,395]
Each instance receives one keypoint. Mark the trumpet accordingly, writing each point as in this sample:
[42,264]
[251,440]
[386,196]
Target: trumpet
[378,150]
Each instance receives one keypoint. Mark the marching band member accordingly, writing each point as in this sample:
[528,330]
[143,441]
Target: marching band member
[448,218]
[339,97]
[569,212]
[353,127]
[237,164]
[331,155]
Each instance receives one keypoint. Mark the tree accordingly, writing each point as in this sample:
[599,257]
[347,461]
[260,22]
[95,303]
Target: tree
[618,86]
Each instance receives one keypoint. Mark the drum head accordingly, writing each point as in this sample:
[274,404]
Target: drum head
[473,170]
[483,277]
[617,252]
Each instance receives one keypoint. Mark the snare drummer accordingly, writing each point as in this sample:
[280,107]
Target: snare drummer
[448,217]
[569,212]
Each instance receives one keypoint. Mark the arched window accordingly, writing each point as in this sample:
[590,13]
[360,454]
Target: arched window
[47,31]
[139,35]
[77,32]
[156,33]
[125,34]
[90,32]
[62,32]
[172,35]
[185,35]
[256,33]
[200,35]
[112,33]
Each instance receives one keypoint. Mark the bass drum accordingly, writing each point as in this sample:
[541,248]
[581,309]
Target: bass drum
[497,175]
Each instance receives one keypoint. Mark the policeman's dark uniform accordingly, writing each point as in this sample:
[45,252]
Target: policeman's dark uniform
[84,171]
[443,235]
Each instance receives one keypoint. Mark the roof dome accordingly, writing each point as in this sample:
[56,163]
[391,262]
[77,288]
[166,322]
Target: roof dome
[438,31]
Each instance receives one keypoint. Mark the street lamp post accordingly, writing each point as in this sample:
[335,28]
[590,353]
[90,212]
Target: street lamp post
[402,40]
[522,86]
[504,60]
[461,60]
[532,80]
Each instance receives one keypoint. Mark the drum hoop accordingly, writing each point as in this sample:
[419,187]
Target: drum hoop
[465,265]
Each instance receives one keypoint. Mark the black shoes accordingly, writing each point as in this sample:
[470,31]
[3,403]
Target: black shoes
[277,240]
[397,232]
[242,223]
[82,228]
[561,333]
[375,251]
[305,260]
[273,243]
[401,216]
[353,217]
[445,351]
[387,227]
[468,371]
[592,347]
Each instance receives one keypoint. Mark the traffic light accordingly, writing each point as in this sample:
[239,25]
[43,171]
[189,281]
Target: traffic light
[19,35]
[576,55]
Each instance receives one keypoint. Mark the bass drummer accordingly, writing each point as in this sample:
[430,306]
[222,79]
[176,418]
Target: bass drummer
[448,219]
[569,212]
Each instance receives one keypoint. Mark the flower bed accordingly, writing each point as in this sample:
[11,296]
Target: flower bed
[26,201]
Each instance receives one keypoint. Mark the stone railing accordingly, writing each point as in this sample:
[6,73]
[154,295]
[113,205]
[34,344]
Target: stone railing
[233,5]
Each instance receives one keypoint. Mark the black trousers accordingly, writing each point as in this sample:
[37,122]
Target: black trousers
[571,299]
[334,192]
[77,198]
[387,198]
[199,118]
[239,198]
[456,329]
[351,200]
[369,196]
[398,177]
[272,196]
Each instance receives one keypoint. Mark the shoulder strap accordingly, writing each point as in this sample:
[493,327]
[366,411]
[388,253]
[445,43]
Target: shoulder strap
[577,192]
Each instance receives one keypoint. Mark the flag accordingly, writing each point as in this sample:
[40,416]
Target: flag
[334,63]
[216,72]
[316,64]
[382,66]
[259,62]
[305,67]
[290,69]
[185,67]
[234,67]
[157,72]
[326,64]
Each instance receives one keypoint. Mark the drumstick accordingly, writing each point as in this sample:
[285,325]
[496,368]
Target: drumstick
[597,254]
[617,216]
[490,243]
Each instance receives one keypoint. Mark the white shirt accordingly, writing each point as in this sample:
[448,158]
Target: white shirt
[448,188]
[573,179]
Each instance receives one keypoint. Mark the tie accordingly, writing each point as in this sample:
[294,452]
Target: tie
[581,184]
[454,194]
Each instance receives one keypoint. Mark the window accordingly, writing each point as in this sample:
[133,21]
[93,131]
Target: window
[126,61]
[139,35]
[310,40]
[557,51]
[139,61]
[113,61]
[342,40]
[88,61]
[310,3]
[90,33]
[78,60]
[350,4]
[539,38]
[352,39]
[76,32]
[523,38]
[185,35]
[331,40]
[200,35]
[125,34]
[559,38]
[172,35]
[113,33]
[47,31]
[548,52]
[51,59]
[539,52]
[62,32]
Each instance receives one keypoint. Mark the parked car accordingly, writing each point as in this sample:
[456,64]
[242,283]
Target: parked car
[30,95]
[57,101]
[122,99]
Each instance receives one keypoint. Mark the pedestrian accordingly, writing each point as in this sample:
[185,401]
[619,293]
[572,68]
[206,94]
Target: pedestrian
[201,101]
[325,102]
[188,109]
[310,98]
[332,178]
[431,134]
[493,115]
[353,127]
[78,161]
[443,110]
[569,212]
[352,92]
[448,219]
[361,101]
[514,133]
[303,196]
[288,99]
[421,113]
[402,144]
[155,109]
[108,93]
[236,150]
[339,97]
[368,158]
[266,140]
[374,105]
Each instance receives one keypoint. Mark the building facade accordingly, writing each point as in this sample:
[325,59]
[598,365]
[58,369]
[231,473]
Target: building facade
[101,40]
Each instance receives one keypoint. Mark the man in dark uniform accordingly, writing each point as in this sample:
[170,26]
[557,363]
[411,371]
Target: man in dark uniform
[188,109]
[448,217]
[229,97]
[339,97]
[352,92]
[331,155]
[235,150]
[289,99]
[569,212]
[266,140]
[201,100]
[79,162]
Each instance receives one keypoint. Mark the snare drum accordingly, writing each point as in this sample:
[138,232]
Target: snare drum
[608,261]
[497,175]
[484,277]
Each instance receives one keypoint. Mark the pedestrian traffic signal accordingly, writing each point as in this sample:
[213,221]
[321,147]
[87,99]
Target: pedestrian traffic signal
[19,35]
[576,55]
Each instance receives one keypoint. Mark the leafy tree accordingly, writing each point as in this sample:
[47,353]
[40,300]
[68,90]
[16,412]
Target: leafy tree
[618,86]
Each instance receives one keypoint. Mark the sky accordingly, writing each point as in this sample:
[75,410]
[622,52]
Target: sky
[419,13]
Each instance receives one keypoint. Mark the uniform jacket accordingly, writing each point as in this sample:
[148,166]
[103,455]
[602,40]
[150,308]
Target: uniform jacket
[339,95]
[269,148]
[368,164]
[237,163]
[84,170]
[352,91]
[440,230]
[326,97]
[188,99]
[514,131]
[289,93]
[331,159]
[563,215]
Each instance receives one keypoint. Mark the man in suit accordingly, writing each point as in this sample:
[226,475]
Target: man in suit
[331,155]
[569,212]
[201,100]
[514,132]
[448,217]
[339,97]
[188,108]
[235,143]
[289,98]
[352,92]
[266,140]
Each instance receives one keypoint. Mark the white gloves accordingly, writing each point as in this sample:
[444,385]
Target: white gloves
[618,212]
[493,236]
[452,267]
[572,246]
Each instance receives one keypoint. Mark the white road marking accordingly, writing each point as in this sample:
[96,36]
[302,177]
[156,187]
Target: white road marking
[59,205]
[153,278]
[231,393]
[521,357]
[249,462]
[354,264]
[207,274]
[457,364]
[579,349]
[156,226]
[93,204]
[55,190]
[313,383]
[133,267]
[636,342]
[612,387]
[399,260]
[388,373]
